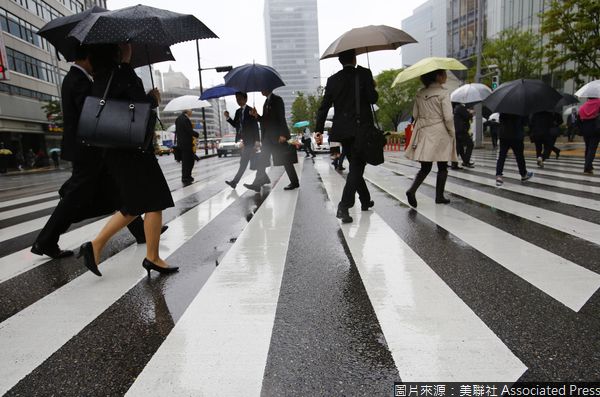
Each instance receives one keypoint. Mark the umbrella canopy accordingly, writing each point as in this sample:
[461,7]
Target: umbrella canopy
[301,124]
[218,91]
[185,102]
[522,97]
[494,117]
[427,65]
[6,152]
[590,90]
[368,39]
[140,24]
[54,149]
[470,93]
[567,99]
[253,77]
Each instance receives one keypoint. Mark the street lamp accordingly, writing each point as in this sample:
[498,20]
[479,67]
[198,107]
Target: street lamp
[218,69]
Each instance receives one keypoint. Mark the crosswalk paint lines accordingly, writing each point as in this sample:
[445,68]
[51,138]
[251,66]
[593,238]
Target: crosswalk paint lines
[10,203]
[564,165]
[563,280]
[28,210]
[522,189]
[576,227]
[220,344]
[21,261]
[33,334]
[540,171]
[430,331]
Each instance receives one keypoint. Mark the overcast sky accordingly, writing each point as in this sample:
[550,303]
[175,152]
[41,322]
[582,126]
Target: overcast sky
[240,27]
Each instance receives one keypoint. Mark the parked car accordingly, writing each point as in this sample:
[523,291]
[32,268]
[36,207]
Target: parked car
[228,145]
[160,150]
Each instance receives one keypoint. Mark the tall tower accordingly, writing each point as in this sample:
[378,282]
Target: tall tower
[292,36]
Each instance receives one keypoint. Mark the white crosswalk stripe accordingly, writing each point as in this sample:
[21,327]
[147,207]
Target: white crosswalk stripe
[221,342]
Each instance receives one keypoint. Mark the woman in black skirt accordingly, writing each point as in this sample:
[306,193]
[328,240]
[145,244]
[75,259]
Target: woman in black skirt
[142,187]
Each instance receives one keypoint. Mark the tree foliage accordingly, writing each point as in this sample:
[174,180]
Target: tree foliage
[518,54]
[395,103]
[573,29]
[53,112]
[304,108]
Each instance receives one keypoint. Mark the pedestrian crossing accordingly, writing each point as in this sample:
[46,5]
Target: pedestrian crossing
[500,285]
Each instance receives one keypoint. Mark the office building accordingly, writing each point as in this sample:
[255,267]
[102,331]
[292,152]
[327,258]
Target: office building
[292,38]
[171,80]
[427,25]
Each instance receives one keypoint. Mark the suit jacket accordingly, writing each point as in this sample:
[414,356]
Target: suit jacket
[272,122]
[247,130]
[462,120]
[75,88]
[184,132]
[340,92]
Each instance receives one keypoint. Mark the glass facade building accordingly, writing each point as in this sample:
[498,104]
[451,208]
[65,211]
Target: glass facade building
[292,39]
[427,25]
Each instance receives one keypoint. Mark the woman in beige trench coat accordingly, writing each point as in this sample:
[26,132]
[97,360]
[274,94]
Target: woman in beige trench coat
[433,138]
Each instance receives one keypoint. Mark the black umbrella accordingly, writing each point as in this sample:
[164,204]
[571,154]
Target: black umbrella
[567,99]
[253,77]
[140,24]
[522,97]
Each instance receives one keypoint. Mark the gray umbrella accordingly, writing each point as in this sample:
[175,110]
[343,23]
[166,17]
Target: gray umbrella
[368,39]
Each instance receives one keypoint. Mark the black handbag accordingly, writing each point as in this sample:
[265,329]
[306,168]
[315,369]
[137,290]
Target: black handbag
[371,138]
[115,123]
[260,160]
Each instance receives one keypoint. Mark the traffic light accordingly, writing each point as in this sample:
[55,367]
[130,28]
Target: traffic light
[224,68]
[495,82]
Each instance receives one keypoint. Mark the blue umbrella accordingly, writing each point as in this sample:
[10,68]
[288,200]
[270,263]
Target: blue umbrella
[218,91]
[301,124]
[253,77]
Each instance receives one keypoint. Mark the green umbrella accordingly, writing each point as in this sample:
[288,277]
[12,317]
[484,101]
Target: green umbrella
[427,65]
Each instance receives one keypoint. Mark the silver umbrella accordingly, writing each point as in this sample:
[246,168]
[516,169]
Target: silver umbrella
[470,93]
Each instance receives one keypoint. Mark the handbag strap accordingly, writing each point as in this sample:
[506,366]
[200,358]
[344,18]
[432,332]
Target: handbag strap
[103,99]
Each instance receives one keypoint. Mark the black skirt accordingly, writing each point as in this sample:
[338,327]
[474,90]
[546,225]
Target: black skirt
[140,182]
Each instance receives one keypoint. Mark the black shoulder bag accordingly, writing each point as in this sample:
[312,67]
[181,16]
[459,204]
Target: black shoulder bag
[115,123]
[372,138]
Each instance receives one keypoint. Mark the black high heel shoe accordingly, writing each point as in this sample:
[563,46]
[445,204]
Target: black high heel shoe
[87,251]
[146,264]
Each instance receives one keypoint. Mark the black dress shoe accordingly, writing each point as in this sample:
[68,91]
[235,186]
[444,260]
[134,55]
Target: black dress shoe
[87,251]
[231,183]
[146,264]
[291,186]
[412,200]
[54,253]
[342,213]
[442,200]
[142,239]
[256,188]
[365,207]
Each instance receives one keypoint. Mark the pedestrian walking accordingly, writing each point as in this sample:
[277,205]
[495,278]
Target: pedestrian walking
[29,158]
[90,191]
[512,133]
[464,142]
[140,182]
[572,124]
[433,138]
[275,134]
[351,91]
[185,138]
[307,143]
[543,130]
[55,160]
[589,114]
[494,126]
[247,134]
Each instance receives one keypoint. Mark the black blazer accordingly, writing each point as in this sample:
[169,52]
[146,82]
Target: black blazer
[340,92]
[462,120]
[246,131]
[184,132]
[272,122]
[75,87]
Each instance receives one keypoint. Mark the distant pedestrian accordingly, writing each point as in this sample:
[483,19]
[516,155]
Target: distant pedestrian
[464,142]
[247,134]
[29,158]
[433,138]
[4,157]
[307,142]
[494,126]
[55,160]
[589,113]
[512,133]
[572,124]
[185,139]
[544,129]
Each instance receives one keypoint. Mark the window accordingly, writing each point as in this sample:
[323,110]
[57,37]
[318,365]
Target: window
[30,66]
[40,8]
[13,90]
[22,29]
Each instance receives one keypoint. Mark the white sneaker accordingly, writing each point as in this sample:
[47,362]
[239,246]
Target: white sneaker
[499,181]
[540,162]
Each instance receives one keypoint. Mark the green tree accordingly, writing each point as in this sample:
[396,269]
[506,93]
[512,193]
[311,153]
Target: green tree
[304,108]
[573,29]
[395,103]
[54,115]
[517,54]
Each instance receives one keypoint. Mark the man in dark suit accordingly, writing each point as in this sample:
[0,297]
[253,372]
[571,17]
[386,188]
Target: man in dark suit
[246,128]
[275,134]
[90,191]
[341,92]
[464,142]
[185,136]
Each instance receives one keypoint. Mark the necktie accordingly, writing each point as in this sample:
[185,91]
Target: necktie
[242,119]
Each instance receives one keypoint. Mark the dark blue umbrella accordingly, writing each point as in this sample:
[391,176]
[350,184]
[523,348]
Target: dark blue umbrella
[253,77]
[218,91]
